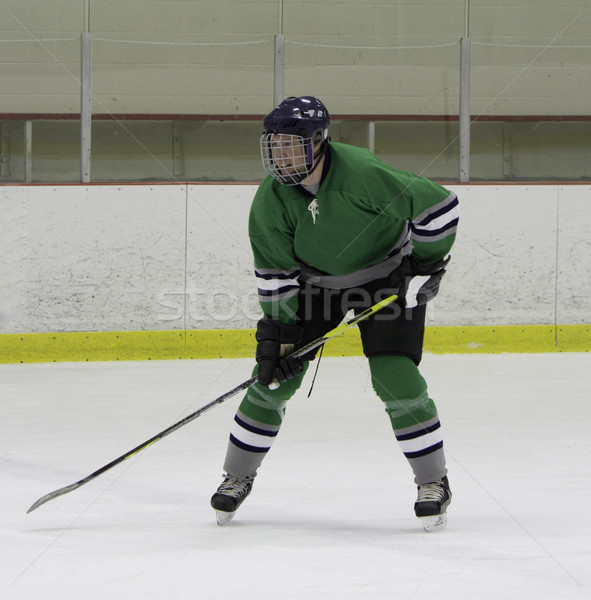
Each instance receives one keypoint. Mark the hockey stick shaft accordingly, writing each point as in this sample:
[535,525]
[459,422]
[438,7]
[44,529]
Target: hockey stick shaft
[244,385]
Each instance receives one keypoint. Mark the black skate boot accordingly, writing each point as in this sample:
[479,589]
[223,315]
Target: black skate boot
[431,505]
[229,496]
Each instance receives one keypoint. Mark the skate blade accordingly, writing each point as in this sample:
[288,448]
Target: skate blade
[434,523]
[223,517]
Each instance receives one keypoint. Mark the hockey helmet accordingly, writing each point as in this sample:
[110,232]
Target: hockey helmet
[294,139]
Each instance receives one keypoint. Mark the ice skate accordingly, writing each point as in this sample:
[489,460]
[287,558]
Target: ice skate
[229,496]
[431,505]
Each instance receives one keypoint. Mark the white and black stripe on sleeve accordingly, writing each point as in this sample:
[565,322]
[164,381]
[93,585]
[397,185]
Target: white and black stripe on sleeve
[437,222]
[274,284]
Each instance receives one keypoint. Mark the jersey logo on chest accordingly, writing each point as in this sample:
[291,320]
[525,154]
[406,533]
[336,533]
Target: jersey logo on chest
[313,208]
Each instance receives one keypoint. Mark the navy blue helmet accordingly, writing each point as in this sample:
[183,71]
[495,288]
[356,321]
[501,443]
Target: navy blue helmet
[305,116]
[295,138]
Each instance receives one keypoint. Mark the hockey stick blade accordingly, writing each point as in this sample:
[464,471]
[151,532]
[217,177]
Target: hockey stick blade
[74,486]
[244,385]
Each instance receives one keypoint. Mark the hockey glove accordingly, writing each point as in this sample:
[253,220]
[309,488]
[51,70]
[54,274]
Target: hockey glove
[276,341]
[420,283]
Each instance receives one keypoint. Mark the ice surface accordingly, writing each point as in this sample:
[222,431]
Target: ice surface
[330,515]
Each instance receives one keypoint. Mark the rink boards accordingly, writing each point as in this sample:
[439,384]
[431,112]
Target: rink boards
[240,343]
[149,271]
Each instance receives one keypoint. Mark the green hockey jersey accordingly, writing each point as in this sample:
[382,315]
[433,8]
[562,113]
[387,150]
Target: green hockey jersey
[365,217]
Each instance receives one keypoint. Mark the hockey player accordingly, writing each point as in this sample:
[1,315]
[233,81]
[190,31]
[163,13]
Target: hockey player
[333,228]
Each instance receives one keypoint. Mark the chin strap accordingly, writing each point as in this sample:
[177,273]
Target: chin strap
[318,157]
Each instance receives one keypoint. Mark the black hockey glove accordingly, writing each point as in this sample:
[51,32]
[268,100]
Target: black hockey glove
[419,283]
[276,341]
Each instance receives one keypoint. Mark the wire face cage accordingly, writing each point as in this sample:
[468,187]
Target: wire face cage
[288,158]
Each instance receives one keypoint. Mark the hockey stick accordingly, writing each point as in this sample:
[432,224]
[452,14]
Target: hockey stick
[246,384]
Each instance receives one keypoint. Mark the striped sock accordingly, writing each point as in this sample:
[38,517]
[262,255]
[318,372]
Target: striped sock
[412,413]
[255,427]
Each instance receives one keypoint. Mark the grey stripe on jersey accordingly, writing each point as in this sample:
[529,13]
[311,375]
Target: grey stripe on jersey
[437,222]
[343,282]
